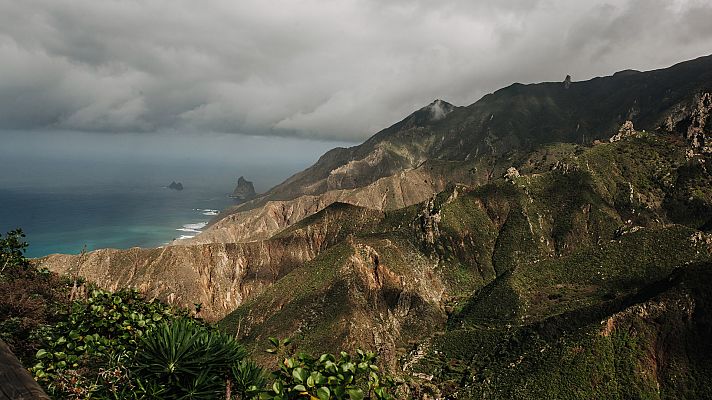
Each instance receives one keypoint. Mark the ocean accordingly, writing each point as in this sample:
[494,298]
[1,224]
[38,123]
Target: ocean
[67,221]
[73,191]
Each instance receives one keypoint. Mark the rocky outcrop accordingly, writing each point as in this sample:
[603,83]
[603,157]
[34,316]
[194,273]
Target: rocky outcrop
[429,218]
[244,191]
[512,174]
[699,133]
[626,130]
[693,120]
[175,186]
[403,189]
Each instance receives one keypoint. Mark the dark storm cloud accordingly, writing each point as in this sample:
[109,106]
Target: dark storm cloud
[331,69]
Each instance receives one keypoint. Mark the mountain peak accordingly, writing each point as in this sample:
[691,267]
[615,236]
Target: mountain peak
[438,109]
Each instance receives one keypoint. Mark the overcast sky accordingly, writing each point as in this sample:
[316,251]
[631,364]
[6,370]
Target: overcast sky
[332,69]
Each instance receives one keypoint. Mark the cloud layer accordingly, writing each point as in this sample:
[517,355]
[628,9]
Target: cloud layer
[337,69]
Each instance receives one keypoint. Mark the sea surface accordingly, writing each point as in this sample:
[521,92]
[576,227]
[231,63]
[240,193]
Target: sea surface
[66,221]
[73,190]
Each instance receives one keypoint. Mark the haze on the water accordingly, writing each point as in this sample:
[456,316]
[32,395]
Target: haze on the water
[71,190]
[67,159]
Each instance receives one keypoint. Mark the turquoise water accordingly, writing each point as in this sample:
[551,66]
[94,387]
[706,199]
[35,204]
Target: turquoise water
[65,221]
[68,190]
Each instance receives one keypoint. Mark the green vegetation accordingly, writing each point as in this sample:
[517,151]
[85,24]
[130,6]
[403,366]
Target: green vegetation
[518,279]
[652,348]
[105,345]
[89,350]
[343,377]
[185,359]
[593,324]
[30,298]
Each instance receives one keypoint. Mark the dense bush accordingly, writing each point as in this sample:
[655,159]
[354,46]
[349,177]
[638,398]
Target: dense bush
[88,351]
[29,297]
[327,377]
[188,359]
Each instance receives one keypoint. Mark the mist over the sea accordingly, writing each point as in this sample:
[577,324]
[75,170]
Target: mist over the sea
[67,189]
[68,159]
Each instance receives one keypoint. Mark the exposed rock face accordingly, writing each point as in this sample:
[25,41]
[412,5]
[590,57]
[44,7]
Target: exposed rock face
[512,173]
[429,218]
[626,130]
[403,189]
[175,186]
[363,295]
[221,276]
[567,82]
[693,120]
[699,133]
[244,191]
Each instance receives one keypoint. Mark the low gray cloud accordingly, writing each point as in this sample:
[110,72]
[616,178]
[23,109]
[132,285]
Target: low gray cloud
[338,69]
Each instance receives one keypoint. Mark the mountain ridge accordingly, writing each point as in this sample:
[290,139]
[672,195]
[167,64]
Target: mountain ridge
[316,178]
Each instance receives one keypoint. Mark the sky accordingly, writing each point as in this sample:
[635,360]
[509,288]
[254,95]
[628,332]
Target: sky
[313,73]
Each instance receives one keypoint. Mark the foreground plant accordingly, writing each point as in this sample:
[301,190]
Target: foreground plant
[88,351]
[327,377]
[247,379]
[191,360]
[29,297]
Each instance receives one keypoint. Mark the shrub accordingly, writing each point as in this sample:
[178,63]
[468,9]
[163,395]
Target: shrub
[119,346]
[12,251]
[327,377]
[90,348]
[247,379]
[29,297]
[191,360]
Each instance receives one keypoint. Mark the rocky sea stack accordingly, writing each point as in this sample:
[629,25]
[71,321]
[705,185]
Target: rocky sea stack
[175,186]
[244,191]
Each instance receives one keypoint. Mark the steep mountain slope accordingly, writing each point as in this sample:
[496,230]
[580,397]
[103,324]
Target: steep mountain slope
[219,276]
[636,331]
[516,117]
[403,189]
[481,140]
[399,282]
